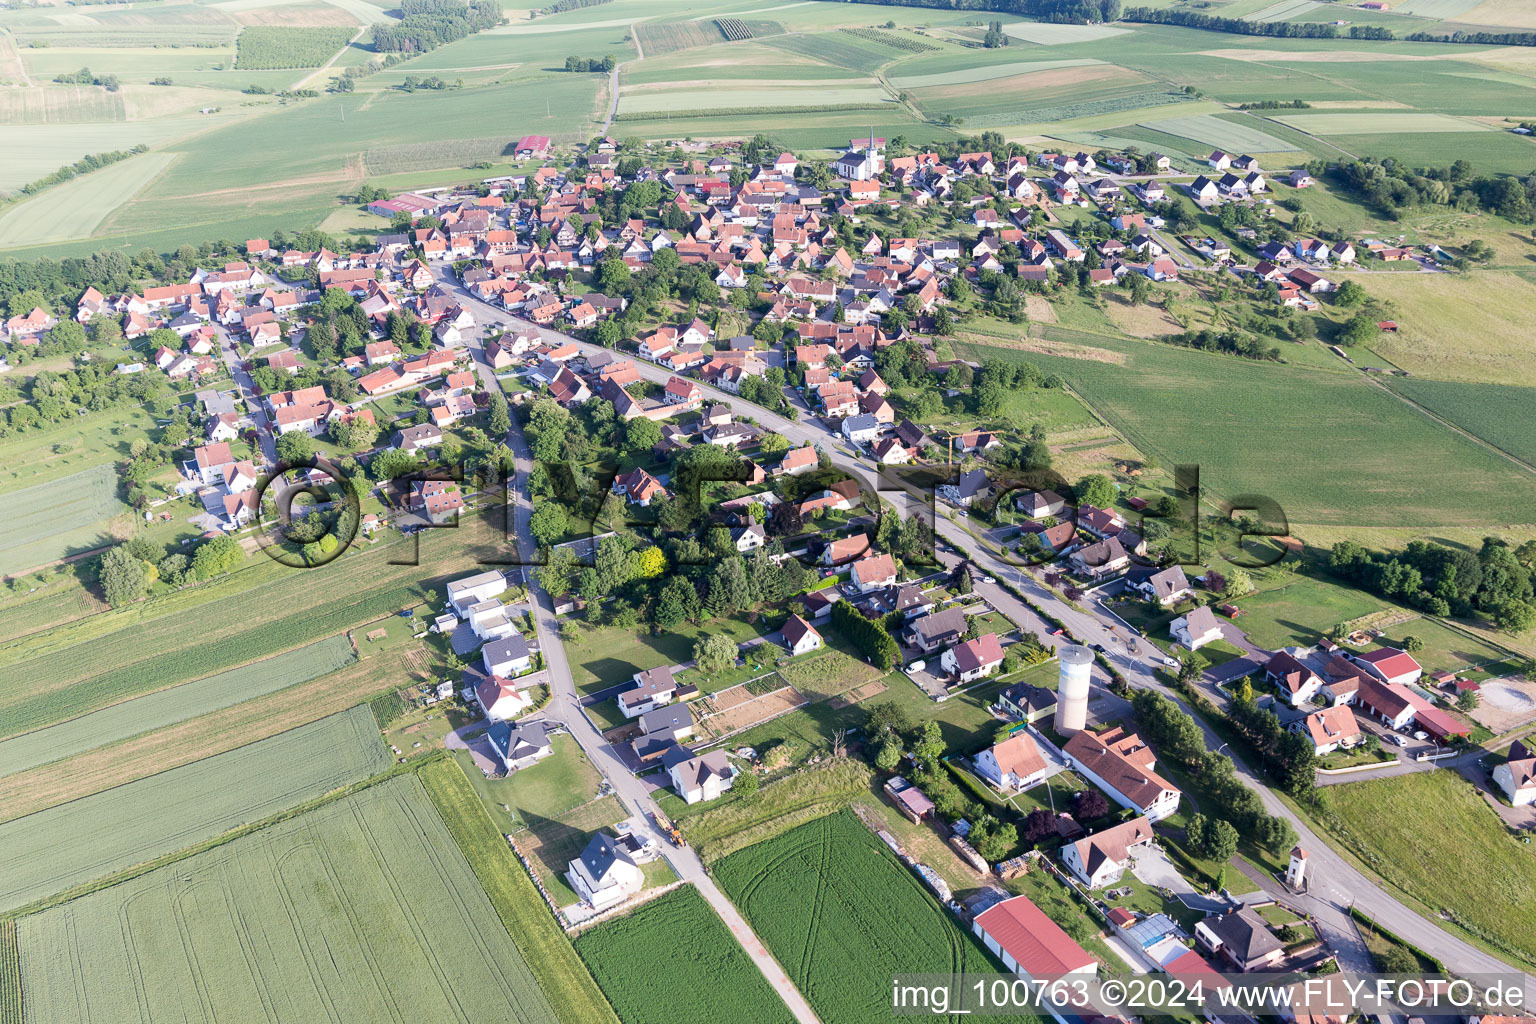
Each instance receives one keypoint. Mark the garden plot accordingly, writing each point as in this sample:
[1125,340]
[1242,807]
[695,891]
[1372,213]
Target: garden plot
[744,706]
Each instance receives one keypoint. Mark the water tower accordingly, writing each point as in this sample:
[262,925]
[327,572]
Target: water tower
[1072,689]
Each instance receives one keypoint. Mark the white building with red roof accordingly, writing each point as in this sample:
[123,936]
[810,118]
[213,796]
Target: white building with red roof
[973,659]
[1390,666]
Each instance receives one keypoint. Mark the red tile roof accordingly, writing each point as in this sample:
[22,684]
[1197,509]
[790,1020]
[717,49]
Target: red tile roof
[1036,943]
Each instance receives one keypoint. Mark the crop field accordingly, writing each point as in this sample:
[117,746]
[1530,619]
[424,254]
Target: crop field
[1042,96]
[842,916]
[108,658]
[1212,130]
[571,991]
[361,909]
[77,207]
[51,520]
[1377,123]
[1047,34]
[733,98]
[1492,152]
[837,48]
[140,821]
[10,974]
[1282,10]
[1266,429]
[988,72]
[662,37]
[54,104]
[1441,10]
[271,47]
[1498,413]
[176,704]
[1430,835]
[34,150]
[673,961]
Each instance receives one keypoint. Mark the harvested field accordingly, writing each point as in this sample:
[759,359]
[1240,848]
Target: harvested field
[719,98]
[1501,14]
[1141,321]
[1284,10]
[1441,10]
[166,707]
[1047,34]
[988,72]
[362,909]
[1065,349]
[53,104]
[1449,330]
[662,37]
[152,817]
[1314,56]
[1039,309]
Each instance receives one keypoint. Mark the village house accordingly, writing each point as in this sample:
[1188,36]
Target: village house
[1242,939]
[1196,629]
[1517,775]
[1101,859]
[800,637]
[699,778]
[605,875]
[1332,728]
[1166,587]
[518,746]
[973,659]
[1013,765]
[1295,681]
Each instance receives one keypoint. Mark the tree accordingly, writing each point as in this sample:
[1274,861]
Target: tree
[714,653]
[296,448]
[650,563]
[1359,330]
[216,556]
[1039,824]
[888,757]
[549,522]
[641,434]
[677,602]
[1349,294]
[123,577]
[746,782]
[1096,489]
[1276,834]
[929,747]
[1467,700]
[1220,840]
[993,839]
[500,418]
[1412,644]
[1089,804]
[1396,959]
[1238,583]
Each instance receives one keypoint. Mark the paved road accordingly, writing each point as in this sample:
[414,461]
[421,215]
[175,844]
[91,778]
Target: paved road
[246,388]
[1336,883]
[565,707]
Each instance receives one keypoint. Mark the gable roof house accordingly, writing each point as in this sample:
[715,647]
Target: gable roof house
[1390,666]
[1517,775]
[873,572]
[700,778]
[1102,858]
[1295,680]
[1196,629]
[518,746]
[1027,702]
[1101,558]
[800,637]
[605,875]
[1122,765]
[973,659]
[1165,586]
[1330,729]
[1012,765]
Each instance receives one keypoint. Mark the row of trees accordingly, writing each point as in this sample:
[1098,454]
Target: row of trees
[602,64]
[127,570]
[872,638]
[1498,581]
[431,23]
[85,165]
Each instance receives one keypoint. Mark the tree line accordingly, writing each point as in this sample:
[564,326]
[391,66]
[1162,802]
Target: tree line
[85,165]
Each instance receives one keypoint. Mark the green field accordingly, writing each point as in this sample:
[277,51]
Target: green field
[673,961]
[1430,835]
[1388,123]
[361,909]
[1212,130]
[1301,613]
[51,520]
[842,916]
[104,659]
[107,832]
[988,72]
[733,98]
[76,208]
[1282,11]
[572,993]
[176,704]
[1498,413]
[837,48]
[34,150]
[1262,428]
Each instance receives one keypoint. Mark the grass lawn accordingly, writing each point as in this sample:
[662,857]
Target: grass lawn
[605,656]
[1431,836]
[538,793]
[1446,647]
[1301,612]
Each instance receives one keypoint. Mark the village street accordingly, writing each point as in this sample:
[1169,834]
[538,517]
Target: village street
[1336,884]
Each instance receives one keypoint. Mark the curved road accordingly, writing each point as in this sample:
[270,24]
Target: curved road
[1337,883]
